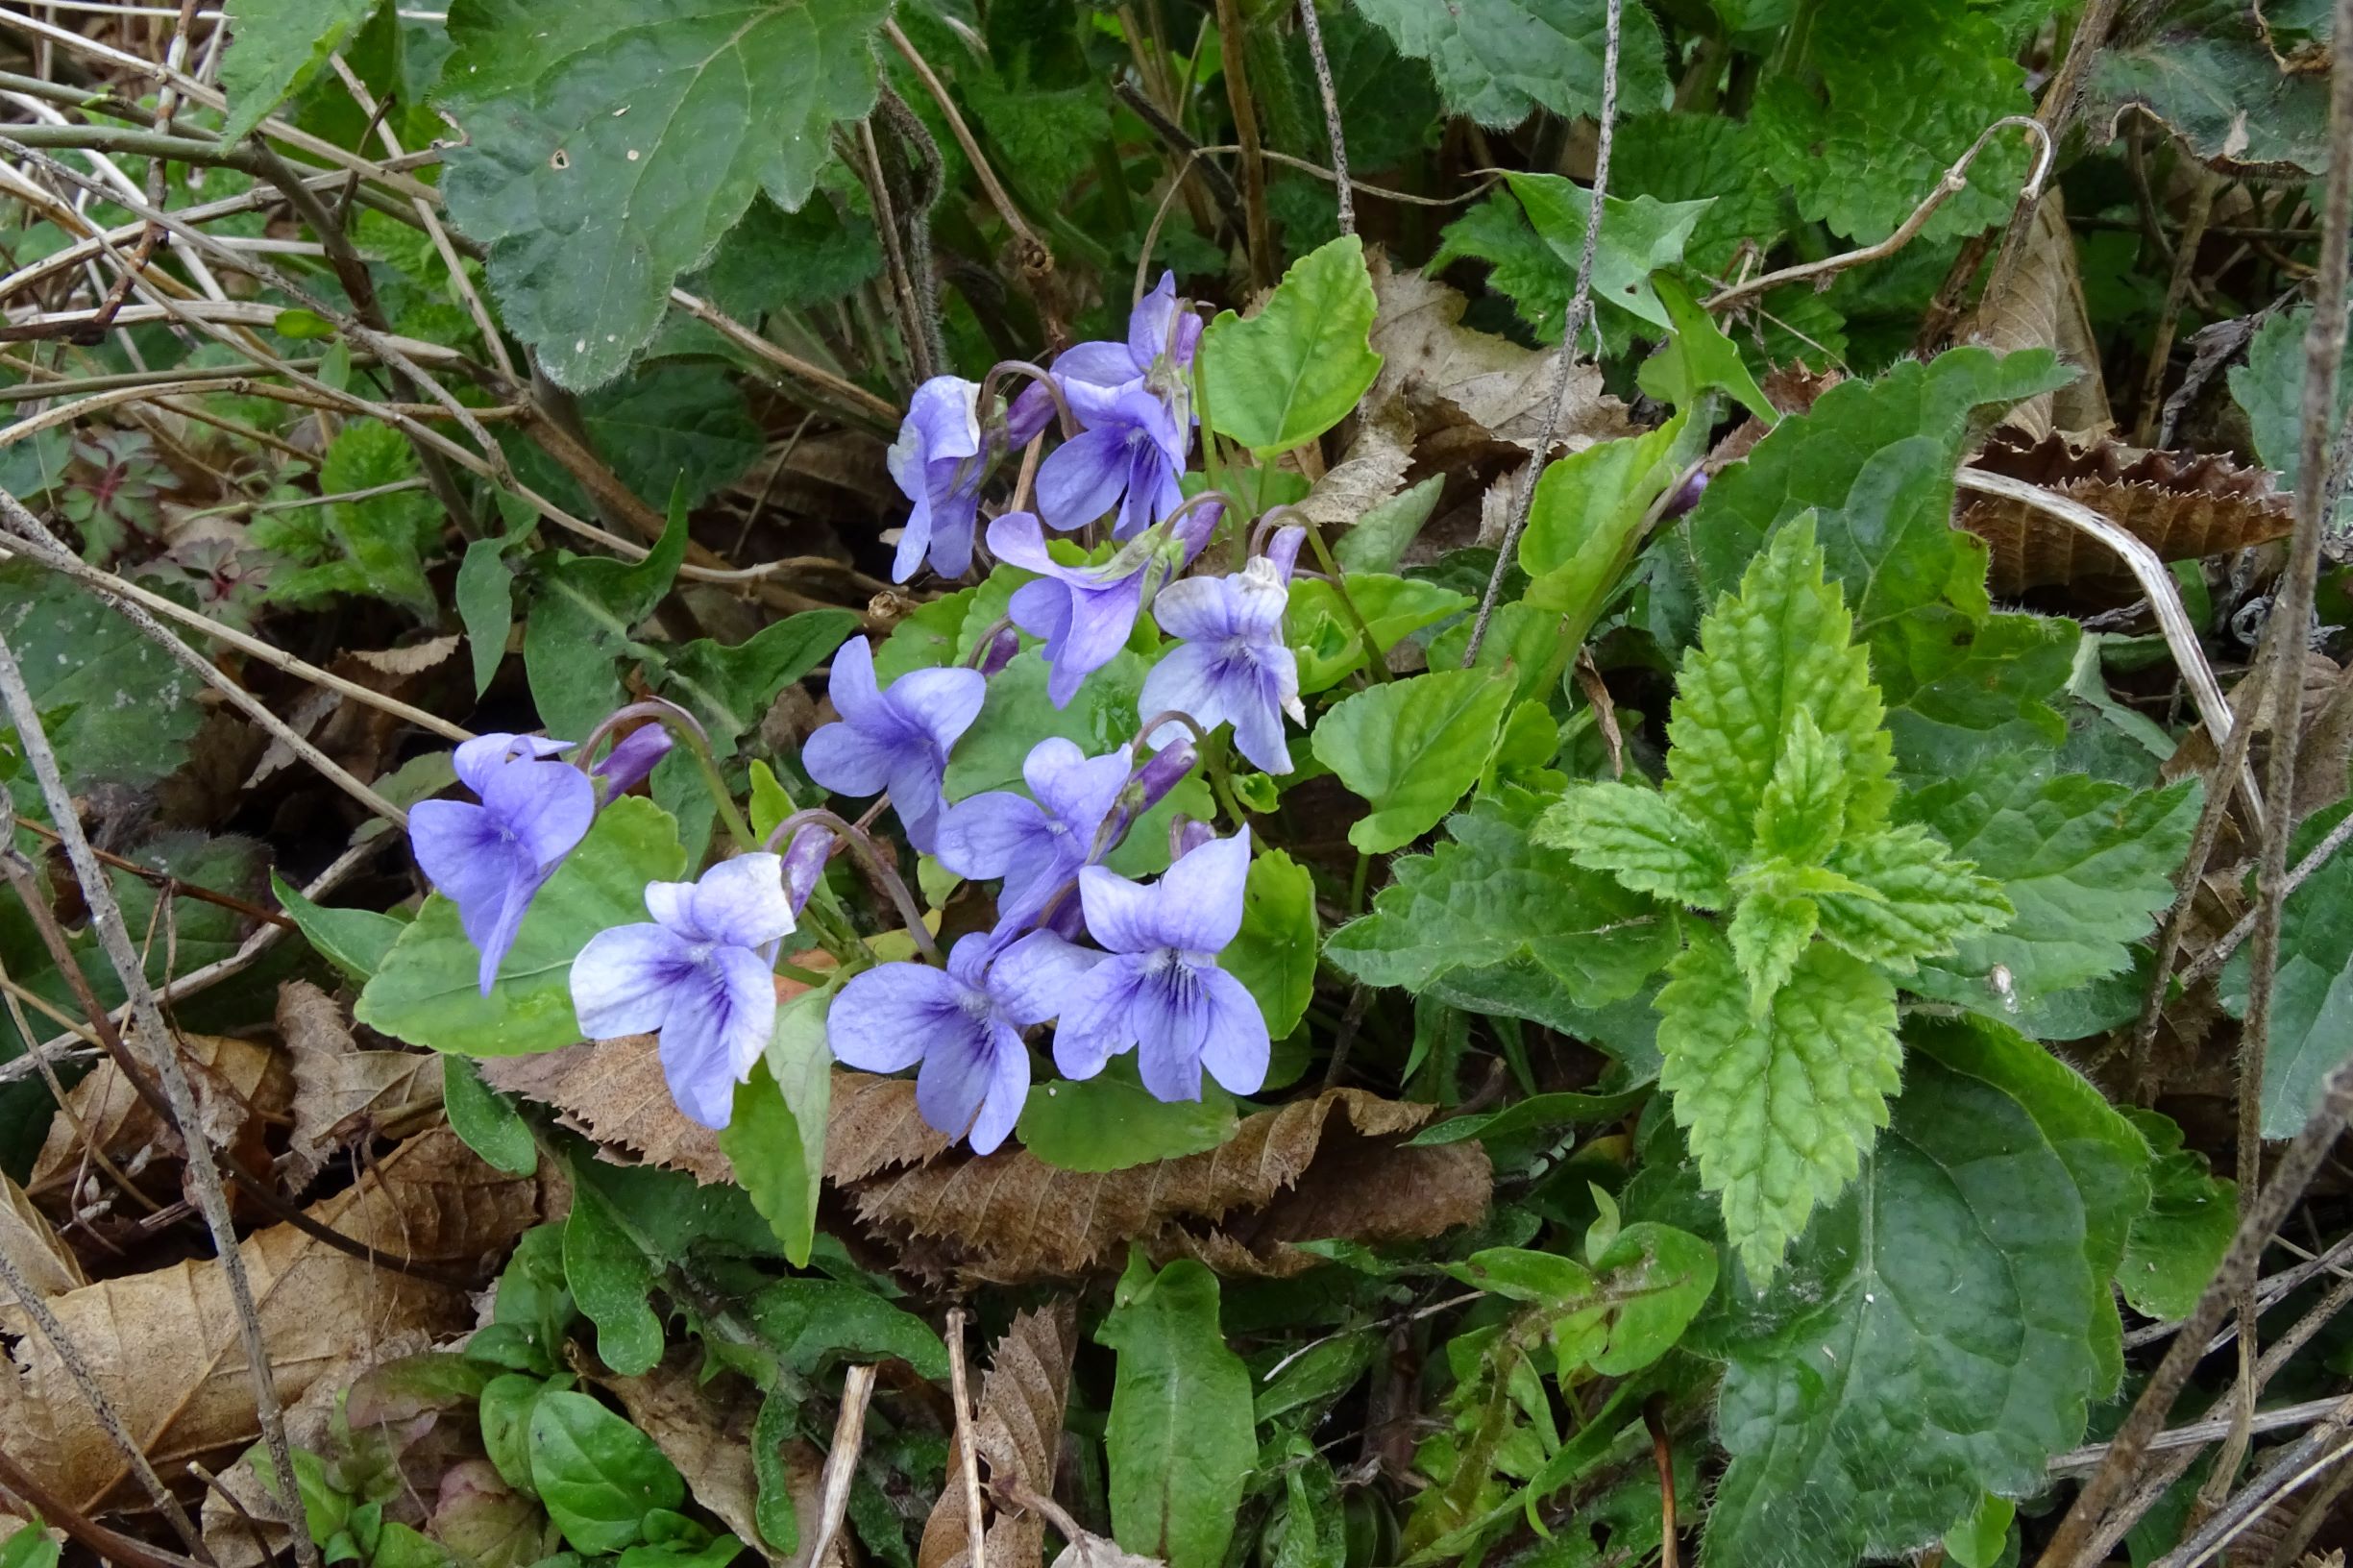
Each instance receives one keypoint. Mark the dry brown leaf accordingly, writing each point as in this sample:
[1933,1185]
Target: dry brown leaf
[2182,506]
[1016,1434]
[710,1438]
[165,1345]
[342,1092]
[2043,307]
[240,1088]
[48,1265]
[1364,1190]
[408,661]
[1449,374]
[1373,470]
[1008,1216]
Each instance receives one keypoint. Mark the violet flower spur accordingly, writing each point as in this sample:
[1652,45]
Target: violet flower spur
[1234,666]
[1036,845]
[962,1023]
[491,860]
[703,974]
[937,462]
[895,740]
[1085,613]
[1162,991]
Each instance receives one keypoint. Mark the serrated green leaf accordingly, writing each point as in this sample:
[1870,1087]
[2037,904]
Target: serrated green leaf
[1641,838]
[1779,1107]
[1411,748]
[428,990]
[2205,72]
[1688,157]
[130,710]
[1274,955]
[1802,812]
[1783,646]
[730,689]
[1110,1123]
[1942,1329]
[1640,236]
[386,534]
[486,1119]
[1585,522]
[1770,927]
[2178,1241]
[1489,895]
[1296,368]
[1905,85]
[610,145]
[276,46]
[1912,899]
[775,1141]
[2086,865]
[1179,1437]
[597,1475]
[580,623]
[2312,996]
[776,259]
[1498,60]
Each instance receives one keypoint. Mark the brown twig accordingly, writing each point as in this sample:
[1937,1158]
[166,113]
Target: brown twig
[171,885]
[110,1546]
[2057,111]
[1573,327]
[1662,1451]
[967,1456]
[107,917]
[1312,28]
[1233,66]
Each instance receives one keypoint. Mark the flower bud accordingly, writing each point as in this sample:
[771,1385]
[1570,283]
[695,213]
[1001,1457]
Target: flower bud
[1027,417]
[1002,649]
[632,757]
[1185,835]
[1687,494]
[1160,773]
[805,862]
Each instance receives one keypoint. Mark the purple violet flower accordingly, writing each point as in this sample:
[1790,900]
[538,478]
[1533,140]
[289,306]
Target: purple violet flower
[1162,991]
[632,757]
[1085,613]
[895,740]
[703,974]
[1233,666]
[1135,400]
[937,464]
[962,1023]
[491,859]
[1036,845]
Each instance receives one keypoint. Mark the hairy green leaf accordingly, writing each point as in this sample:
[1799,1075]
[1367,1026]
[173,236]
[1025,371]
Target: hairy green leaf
[276,46]
[2205,71]
[1781,1105]
[1498,60]
[1411,748]
[1772,925]
[2178,1241]
[610,145]
[1908,899]
[1296,368]
[1180,1438]
[427,993]
[2311,995]
[1942,1329]
[1643,839]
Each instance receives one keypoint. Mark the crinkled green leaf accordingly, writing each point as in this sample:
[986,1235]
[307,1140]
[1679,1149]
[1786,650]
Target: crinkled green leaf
[427,992]
[776,259]
[1914,899]
[1905,86]
[2312,996]
[1643,839]
[611,143]
[1688,157]
[1489,895]
[1942,1329]
[1802,812]
[1780,1106]
[386,534]
[1409,749]
[1781,645]
[2086,865]
[276,46]
[2178,1241]
[1179,1439]
[1770,927]
[2204,69]
[1585,522]
[1498,60]
[1296,368]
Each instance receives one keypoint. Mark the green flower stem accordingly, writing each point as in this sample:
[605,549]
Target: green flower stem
[689,734]
[1375,656]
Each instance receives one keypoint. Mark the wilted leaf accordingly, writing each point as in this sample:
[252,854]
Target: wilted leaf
[1370,474]
[241,1085]
[341,1091]
[1016,1436]
[165,1345]
[2043,307]
[26,1235]
[2181,504]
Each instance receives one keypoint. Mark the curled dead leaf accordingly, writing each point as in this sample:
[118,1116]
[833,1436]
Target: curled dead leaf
[1373,470]
[241,1087]
[706,1431]
[342,1092]
[2042,306]
[2182,506]
[48,1265]
[1016,1435]
[165,1346]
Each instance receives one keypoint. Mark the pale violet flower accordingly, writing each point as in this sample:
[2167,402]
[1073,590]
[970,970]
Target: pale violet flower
[491,860]
[1085,613]
[895,740]
[1134,401]
[937,462]
[701,974]
[1233,666]
[1037,842]
[1161,992]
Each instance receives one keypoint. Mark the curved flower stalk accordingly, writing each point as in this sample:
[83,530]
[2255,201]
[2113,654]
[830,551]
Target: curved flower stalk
[962,1023]
[1135,400]
[701,974]
[1085,613]
[491,859]
[895,740]
[1234,666]
[1162,993]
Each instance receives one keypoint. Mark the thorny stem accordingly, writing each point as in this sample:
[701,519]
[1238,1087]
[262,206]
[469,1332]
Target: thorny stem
[877,864]
[690,734]
[1573,327]
[106,916]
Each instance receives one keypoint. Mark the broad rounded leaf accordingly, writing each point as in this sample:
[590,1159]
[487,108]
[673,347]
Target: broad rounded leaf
[1411,748]
[1180,1438]
[1296,368]
[597,1475]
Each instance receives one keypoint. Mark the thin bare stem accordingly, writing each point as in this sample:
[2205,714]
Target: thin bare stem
[1233,66]
[1023,234]
[2214,958]
[107,918]
[1573,327]
[966,1458]
[842,1463]
[876,863]
[110,1546]
[1312,28]
[2057,111]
